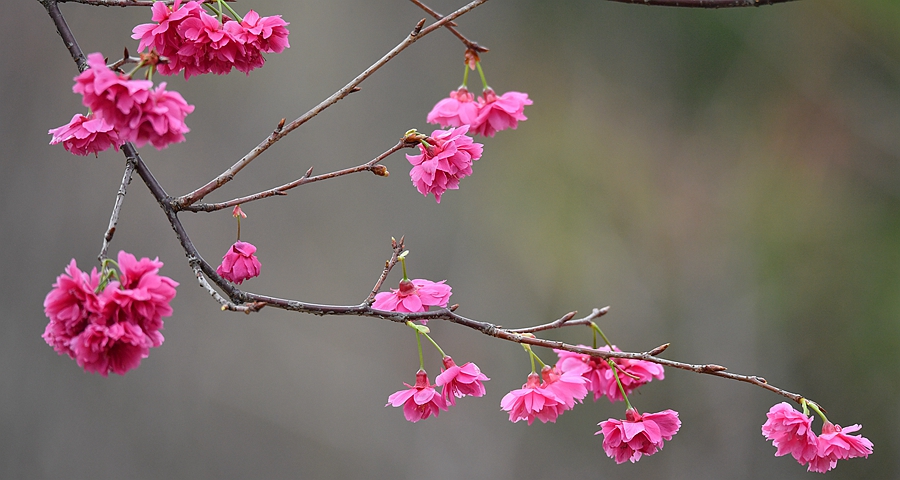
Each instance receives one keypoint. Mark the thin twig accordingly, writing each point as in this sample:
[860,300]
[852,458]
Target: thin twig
[227,175]
[368,166]
[226,304]
[397,248]
[117,207]
[127,3]
[450,26]
[564,320]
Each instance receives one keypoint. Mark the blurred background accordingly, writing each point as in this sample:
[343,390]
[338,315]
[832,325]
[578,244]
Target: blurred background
[728,181]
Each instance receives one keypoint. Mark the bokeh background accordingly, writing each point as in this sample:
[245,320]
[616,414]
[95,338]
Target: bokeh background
[728,181]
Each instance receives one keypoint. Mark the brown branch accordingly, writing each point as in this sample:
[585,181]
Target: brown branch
[117,207]
[397,248]
[565,320]
[368,166]
[226,176]
[437,16]
[126,3]
[703,3]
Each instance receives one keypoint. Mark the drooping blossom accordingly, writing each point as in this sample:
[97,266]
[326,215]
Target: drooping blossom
[835,444]
[567,386]
[600,376]
[457,382]
[447,159]
[84,135]
[198,43]
[532,402]
[791,432]
[455,111]
[136,113]
[419,401]
[637,435]
[113,329]
[413,296]
[499,113]
[239,263]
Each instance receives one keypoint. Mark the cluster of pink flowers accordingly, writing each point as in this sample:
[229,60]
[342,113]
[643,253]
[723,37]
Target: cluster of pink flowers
[637,435]
[123,110]
[239,263]
[546,396]
[791,432]
[414,296]
[198,43]
[113,329]
[446,159]
[486,116]
[601,377]
[422,400]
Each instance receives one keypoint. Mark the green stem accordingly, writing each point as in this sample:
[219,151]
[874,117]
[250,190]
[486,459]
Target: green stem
[438,347]
[239,228]
[484,85]
[816,409]
[403,264]
[535,357]
[465,75]
[596,331]
[421,358]
[231,10]
[530,356]
[612,365]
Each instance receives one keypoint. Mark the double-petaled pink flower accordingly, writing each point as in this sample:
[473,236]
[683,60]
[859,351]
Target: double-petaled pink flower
[567,386]
[126,110]
[197,43]
[791,432]
[487,116]
[239,263]
[532,402]
[419,401]
[85,135]
[638,435]
[601,377]
[413,296]
[110,330]
[446,159]
[458,382]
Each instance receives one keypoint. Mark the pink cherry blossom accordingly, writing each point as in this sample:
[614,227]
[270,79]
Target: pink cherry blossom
[136,113]
[413,296]
[446,160]
[111,330]
[499,113]
[239,263]
[457,382]
[600,376]
[457,110]
[84,135]
[834,444]
[198,43]
[567,386]
[419,401]
[532,402]
[791,432]
[70,306]
[638,435]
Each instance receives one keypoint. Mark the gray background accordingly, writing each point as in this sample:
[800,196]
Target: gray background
[726,180]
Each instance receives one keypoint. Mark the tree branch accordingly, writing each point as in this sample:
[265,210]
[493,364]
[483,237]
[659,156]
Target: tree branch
[117,207]
[703,3]
[437,16]
[279,133]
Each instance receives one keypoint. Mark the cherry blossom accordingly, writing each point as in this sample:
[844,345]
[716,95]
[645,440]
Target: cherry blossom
[84,135]
[239,263]
[446,159]
[419,401]
[413,296]
[457,382]
[638,435]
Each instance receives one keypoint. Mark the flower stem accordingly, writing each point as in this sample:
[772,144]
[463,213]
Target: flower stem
[597,330]
[421,358]
[438,347]
[231,10]
[465,75]
[403,264]
[816,409]
[484,85]
[239,228]
[613,366]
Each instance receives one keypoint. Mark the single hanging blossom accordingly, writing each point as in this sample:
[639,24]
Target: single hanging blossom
[601,377]
[457,382]
[638,435]
[419,401]
[84,135]
[532,402]
[791,432]
[446,160]
[414,296]
[162,119]
[111,330]
[457,110]
[499,113]
[834,444]
[239,263]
